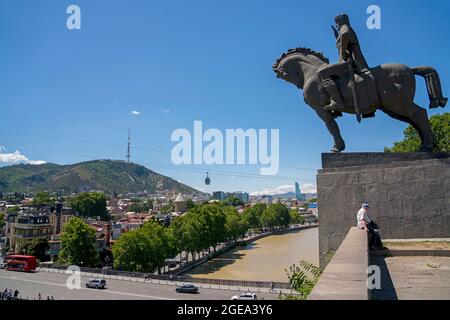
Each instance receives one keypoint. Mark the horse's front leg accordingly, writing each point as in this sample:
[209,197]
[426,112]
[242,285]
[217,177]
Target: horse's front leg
[333,128]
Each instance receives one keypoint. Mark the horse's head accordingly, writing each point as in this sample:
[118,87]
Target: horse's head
[298,65]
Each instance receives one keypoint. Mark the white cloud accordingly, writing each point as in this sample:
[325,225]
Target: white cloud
[17,157]
[135,113]
[200,189]
[305,188]
[165,111]
[308,188]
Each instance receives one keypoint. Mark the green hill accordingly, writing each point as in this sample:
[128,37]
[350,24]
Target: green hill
[103,175]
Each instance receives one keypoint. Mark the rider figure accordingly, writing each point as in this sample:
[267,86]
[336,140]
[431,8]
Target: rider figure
[349,52]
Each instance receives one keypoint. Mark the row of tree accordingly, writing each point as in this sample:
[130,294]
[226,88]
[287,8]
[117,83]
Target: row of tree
[271,217]
[201,229]
[87,204]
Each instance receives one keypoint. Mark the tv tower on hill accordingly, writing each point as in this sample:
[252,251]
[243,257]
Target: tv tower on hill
[128,146]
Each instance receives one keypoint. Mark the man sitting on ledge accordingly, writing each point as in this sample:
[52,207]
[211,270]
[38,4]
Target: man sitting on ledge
[365,223]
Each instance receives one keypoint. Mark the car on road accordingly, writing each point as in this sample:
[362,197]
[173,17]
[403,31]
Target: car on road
[96,284]
[187,288]
[245,296]
[2,265]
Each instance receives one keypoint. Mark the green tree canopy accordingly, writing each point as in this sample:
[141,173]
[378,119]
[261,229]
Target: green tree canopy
[440,125]
[235,225]
[42,199]
[275,215]
[168,208]
[140,205]
[190,204]
[252,215]
[144,249]
[78,244]
[90,204]
[295,217]
[233,201]
[37,248]
[178,232]
[2,220]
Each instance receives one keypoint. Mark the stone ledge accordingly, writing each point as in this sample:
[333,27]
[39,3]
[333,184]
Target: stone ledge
[345,277]
[340,160]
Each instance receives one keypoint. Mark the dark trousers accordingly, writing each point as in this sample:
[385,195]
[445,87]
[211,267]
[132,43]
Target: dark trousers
[374,236]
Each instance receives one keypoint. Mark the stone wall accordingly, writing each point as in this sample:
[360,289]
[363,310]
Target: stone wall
[345,277]
[408,193]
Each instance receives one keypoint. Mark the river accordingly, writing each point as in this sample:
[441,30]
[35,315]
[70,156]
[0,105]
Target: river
[264,259]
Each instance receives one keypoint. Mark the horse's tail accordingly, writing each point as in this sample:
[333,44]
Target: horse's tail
[433,85]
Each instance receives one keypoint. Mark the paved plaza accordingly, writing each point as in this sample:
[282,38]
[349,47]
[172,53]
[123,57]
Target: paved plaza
[413,277]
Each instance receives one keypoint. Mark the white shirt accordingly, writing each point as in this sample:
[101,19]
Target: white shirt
[362,215]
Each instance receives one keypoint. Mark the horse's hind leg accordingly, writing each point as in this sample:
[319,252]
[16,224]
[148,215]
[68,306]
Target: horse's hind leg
[333,128]
[418,118]
[421,124]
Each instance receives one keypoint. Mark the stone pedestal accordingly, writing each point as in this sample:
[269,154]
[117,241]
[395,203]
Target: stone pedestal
[408,194]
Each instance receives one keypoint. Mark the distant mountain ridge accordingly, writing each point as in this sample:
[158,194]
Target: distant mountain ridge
[102,175]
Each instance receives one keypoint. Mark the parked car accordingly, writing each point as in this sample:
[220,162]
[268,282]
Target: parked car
[172,264]
[2,265]
[96,284]
[245,296]
[187,288]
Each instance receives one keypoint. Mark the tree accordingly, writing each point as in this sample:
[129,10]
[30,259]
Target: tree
[301,219]
[440,125]
[178,232]
[37,248]
[140,205]
[14,209]
[215,224]
[233,201]
[90,204]
[42,199]
[275,215]
[78,244]
[294,217]
[190,204]
[235,226]
[253,215]
[168,208]
[2,220]
[144,249]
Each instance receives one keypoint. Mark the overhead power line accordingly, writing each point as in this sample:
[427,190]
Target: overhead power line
[164,165]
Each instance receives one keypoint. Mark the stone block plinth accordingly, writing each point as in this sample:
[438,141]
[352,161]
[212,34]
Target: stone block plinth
[408,193]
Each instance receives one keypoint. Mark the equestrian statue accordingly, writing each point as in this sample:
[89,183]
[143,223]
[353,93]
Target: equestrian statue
[350,86]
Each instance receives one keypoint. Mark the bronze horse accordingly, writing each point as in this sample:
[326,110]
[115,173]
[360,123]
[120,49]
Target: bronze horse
[395,87]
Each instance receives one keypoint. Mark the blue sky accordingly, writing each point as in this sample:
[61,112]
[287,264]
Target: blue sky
[68,95]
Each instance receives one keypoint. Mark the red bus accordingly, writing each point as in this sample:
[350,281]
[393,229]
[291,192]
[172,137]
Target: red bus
[15,262]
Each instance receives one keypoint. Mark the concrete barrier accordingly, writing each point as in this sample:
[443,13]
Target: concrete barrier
[345,277]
